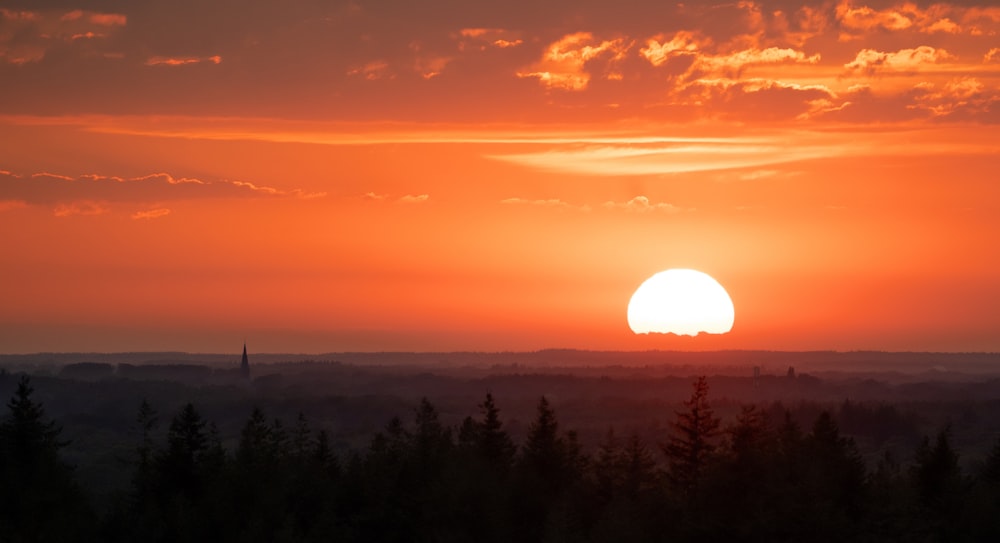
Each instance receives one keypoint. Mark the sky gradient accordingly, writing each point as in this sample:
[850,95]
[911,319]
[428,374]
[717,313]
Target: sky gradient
[316,176]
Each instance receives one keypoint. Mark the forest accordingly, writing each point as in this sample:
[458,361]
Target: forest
[715,470]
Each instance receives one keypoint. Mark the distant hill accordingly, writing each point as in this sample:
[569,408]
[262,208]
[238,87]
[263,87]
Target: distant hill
[874,363]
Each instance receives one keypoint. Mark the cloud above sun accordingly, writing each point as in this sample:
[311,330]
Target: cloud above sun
[565,62]
[93,194]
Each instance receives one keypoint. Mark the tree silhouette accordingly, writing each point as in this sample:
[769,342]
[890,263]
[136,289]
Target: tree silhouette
[833,480]
[937,478]
[543,454]
[637,466]
[39,500]
[487,438]
[990,472]
[693,442]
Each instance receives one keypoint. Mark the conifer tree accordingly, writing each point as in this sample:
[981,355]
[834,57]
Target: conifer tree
[543,451]
[637,467]
[693,441]
[607,465]
[492,441]
[39,500]
[181,466]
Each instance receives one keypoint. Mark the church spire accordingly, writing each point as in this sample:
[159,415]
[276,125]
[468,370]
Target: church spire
[245,363]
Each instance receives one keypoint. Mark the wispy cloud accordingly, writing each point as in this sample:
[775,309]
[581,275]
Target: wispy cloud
[617,160]
[551,203]
[858,20]
[697,60]
[82,207]
[485,38]
[639,204]
[151,214]
[567,62]
[93,194]
[182,61]
[870,61]
[373,70]
[27,36]
[642,204]
[7,205]
[405,199]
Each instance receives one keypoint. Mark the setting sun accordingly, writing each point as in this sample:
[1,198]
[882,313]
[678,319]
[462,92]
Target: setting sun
[682,302]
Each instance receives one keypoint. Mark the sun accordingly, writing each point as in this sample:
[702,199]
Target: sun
[683,302]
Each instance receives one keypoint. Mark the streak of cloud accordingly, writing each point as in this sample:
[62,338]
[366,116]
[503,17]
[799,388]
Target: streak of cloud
[47,188]
[151,214]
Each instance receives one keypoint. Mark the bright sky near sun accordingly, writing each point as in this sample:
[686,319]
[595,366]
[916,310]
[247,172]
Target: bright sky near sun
[318,176]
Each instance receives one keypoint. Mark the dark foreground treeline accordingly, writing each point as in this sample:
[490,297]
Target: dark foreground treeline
[758,479]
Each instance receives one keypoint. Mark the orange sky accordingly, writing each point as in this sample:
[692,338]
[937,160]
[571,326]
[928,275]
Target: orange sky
[328,176]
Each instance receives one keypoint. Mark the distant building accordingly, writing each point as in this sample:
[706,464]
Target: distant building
[791,372]
[756,376]
[245,364]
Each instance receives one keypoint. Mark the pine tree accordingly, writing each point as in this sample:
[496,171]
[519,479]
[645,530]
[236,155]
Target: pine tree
[28,437]
[991,466]
[142,480]
[607,467]
[255,451]
[544,450]
[937,478]
[432,441]
[492,441]
[39,500]
[180,469]
[834,480]
[693,442]
[638,467]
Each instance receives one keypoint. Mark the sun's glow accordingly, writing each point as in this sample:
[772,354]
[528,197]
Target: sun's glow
[683,302]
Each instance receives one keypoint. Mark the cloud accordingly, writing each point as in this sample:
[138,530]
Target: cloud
[754,99]
[870,61]
[151,214]
[108,19]
[372,71]
[690,49]
[945,25]
[757,174]
[993,55]
[658,50]
[486,38]
[552,203]
[734,63]
[660,158]
[7,205]
[856,21]
[48,189]
[28,36]
[429,67]
[641,204]
[568,63]
[82,207]
[182,61]
[866,18]
[405,199]
[962,99]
